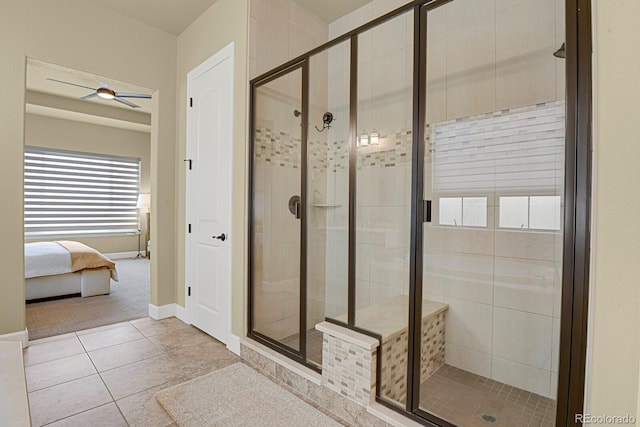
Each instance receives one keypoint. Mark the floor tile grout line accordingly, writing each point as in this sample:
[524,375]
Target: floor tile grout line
[113,345]
[132,363]
[143,391]
[63,382]
[102,328]
[125,342]
[108,390]
[53,360]
[73,415]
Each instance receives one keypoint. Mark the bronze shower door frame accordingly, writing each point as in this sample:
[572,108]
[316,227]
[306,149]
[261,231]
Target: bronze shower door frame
[575,285]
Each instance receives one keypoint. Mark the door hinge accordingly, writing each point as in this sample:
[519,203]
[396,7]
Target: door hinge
[426,210]
[189,291]
[190,102]
[190,162]
[189,228]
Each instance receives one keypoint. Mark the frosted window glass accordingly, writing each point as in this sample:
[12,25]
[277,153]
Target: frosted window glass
[544,212]
[474,211]
[450,211]
[514,212]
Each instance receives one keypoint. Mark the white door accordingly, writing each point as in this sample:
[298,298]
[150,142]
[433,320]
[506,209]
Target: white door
[208,211]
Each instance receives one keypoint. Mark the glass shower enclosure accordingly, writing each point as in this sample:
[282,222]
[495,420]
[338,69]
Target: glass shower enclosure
[408,182]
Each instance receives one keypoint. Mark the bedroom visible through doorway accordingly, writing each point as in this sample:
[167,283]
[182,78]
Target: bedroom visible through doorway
[87,188]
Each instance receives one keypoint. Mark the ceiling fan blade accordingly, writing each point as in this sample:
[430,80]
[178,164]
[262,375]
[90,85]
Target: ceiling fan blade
[91,95]
[125,102]
[71,84]
[133,95]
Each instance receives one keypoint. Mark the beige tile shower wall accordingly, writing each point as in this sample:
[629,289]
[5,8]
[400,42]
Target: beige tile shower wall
[483,55]
[280,30]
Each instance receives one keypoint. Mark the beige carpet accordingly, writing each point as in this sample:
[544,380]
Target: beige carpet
[128,300]
[237,396]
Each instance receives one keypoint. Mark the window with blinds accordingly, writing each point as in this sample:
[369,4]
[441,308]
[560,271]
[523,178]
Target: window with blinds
[68,193]
[519,151]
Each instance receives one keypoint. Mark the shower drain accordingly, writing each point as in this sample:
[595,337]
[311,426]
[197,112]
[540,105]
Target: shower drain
[488,418]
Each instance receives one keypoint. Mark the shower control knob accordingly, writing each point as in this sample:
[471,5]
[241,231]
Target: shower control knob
[222,237]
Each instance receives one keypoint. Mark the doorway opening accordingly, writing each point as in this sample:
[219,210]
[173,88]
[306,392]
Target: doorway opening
[86,194]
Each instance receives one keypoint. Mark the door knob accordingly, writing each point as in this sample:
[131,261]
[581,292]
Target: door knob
[220,237]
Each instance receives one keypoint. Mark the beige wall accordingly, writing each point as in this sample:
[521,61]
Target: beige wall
[614,350]
[224,22]
[62,32]
[50,132]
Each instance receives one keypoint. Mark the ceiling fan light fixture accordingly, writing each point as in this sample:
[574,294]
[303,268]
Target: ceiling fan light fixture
[105,93]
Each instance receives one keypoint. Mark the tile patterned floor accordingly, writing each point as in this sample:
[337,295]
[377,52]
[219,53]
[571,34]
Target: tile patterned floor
[463,398]
[108,376]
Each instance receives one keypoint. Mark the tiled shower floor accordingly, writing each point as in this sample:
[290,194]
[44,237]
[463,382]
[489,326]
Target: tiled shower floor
[463,398]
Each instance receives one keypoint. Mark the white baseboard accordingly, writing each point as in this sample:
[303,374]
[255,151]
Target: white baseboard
[182,314]
[233,344]
[22,337]
[163,311]
[124,255]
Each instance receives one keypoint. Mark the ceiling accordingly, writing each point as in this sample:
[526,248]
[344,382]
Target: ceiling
[173,16]
[39,71]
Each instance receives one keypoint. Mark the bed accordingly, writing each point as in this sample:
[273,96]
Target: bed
[66,267]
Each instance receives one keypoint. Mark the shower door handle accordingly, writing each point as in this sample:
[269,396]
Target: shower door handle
[294,206]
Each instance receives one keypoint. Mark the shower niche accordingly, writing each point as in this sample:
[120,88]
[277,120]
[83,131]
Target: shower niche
[407,184]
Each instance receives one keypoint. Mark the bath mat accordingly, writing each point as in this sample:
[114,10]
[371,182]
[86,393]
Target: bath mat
[237,396]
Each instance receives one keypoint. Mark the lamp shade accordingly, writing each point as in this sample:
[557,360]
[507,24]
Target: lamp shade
[144,201]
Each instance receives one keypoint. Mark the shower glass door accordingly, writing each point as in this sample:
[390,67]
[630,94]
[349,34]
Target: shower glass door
[327,204]
[277,210]
[494,147]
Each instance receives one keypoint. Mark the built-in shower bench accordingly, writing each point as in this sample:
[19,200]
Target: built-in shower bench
[389,318]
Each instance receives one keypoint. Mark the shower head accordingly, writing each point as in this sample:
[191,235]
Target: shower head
[297,113]
[560,53]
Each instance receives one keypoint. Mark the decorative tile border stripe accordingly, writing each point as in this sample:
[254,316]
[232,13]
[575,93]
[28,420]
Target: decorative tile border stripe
[281,150]
[531,126]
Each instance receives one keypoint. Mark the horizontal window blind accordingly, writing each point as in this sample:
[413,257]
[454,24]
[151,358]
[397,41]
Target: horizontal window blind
[518,150]
[69,193]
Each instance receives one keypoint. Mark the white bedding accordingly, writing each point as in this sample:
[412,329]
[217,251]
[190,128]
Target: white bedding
[46,259]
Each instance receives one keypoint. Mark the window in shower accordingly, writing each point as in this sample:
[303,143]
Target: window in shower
[462,211]
[530,212]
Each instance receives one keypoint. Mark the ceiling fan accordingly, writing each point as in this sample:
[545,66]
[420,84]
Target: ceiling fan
[105,92]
